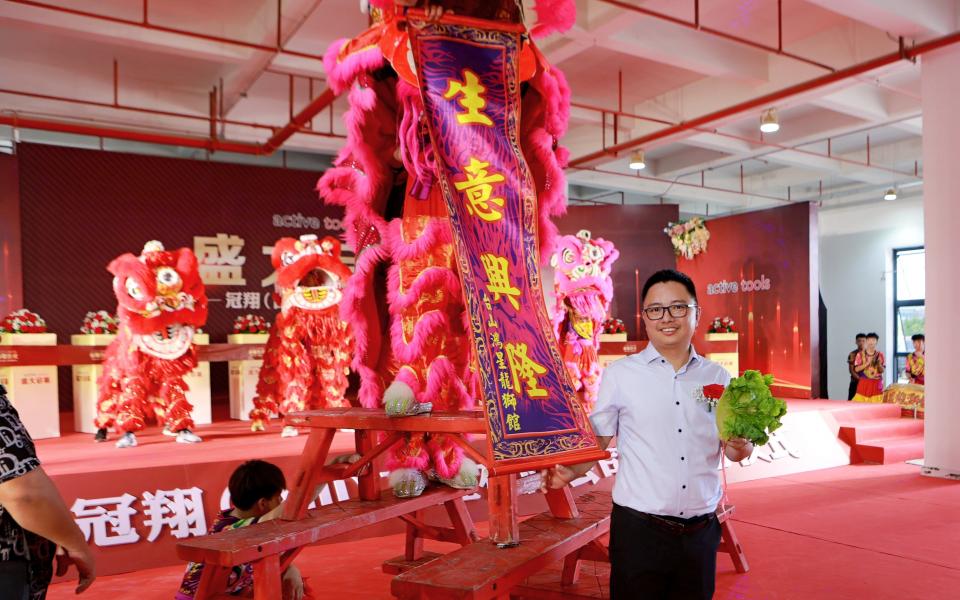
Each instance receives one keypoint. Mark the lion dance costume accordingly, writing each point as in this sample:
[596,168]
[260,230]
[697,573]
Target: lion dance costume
[414,355]
[161,301]
[307,358]
[583,291]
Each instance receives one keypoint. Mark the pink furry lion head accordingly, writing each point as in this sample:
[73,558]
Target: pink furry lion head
[583,262]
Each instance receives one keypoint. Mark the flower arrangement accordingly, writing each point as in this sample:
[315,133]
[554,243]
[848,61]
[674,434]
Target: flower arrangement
[23,321]
[251,324]
[100,322]
[724,325]
[614,326]
[689,238]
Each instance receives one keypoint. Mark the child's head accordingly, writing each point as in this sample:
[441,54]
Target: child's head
[256,486]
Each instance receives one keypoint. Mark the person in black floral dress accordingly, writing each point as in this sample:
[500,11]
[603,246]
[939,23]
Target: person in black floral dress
[34,521]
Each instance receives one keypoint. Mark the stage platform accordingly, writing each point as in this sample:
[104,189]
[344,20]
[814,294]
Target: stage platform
[136,502]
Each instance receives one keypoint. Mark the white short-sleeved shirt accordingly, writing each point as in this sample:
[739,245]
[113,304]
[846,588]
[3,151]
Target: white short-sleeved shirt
[667,440]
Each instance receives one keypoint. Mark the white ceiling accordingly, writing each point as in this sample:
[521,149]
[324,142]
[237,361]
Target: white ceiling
[58,57]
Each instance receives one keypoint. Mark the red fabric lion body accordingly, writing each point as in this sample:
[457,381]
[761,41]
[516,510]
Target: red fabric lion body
[161,301]
[413,352]
[307,358]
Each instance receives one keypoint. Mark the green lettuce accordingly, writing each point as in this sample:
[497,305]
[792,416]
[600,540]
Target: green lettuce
[748,410]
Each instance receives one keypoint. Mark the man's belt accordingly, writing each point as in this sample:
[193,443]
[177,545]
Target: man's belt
[675,525]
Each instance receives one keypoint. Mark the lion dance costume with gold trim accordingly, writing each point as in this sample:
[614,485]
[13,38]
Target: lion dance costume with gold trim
[307,358]
[414,354]
[161,301]
[583,291]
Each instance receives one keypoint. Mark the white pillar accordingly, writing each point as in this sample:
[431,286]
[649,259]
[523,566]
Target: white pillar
[941,207]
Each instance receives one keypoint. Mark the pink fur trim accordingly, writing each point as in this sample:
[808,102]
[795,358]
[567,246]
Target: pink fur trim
[417,159]
[430,323]
[394,460]
[353,310]
[441,450]
[442,373]
[409,378]
[547,110]
[429,279]
[437,232]
[341,74]
[553,16]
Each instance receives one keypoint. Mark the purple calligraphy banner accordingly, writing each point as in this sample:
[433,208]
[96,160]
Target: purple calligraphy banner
[471,92]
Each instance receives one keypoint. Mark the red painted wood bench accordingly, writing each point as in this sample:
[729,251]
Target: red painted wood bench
[546,565]
[572,579]
[271,546]
[483,570]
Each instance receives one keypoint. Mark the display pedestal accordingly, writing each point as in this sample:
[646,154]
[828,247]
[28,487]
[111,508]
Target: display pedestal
[33,390]
[198,381]
[611,350]
[243,377]
[723,348]
[85,388]
[613,337]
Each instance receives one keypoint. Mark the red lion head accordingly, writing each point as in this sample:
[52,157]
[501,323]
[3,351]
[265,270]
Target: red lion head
[310,274]
[161,298]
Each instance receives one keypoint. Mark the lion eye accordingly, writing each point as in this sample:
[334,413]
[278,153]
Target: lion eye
[133,289]
[287,258]
[568,256]
[167,277]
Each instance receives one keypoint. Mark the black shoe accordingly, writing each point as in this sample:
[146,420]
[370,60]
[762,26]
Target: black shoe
[100,436]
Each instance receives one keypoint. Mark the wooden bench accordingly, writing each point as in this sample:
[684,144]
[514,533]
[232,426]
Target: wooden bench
[547,564]
[560,580]
[271,546]
[483,570]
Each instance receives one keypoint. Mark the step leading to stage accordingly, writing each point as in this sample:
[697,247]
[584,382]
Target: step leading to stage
[878,434]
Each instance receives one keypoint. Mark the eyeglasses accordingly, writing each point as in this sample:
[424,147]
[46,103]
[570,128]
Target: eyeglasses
[677,311]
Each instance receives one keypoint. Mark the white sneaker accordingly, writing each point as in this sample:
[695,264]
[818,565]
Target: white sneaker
[127,441]
[167,432]
[185,436]
[289,431]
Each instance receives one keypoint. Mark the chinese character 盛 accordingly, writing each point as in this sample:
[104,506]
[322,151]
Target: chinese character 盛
[220,259]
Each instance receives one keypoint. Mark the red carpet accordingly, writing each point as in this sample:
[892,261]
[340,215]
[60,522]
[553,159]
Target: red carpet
[855,532]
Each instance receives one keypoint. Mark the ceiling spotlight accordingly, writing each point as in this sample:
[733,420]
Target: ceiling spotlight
[891,194]
[636,161]
[769,122]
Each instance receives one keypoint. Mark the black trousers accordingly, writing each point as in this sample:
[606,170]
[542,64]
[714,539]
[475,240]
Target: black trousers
[853,389]
[650,562]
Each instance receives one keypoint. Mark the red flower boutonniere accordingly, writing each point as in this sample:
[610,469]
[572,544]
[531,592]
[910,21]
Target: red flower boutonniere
[713,391]
[710,395]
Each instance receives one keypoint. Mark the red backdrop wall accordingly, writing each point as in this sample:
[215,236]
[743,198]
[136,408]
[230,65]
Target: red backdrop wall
[775,251]
[82,208]
[79,209]
[11,289]
[637,232]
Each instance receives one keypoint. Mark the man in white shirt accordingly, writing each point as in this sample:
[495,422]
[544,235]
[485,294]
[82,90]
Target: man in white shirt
[664,532]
